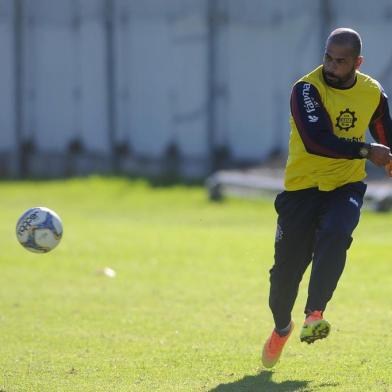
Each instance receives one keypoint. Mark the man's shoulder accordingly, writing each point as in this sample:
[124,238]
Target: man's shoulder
[368,82]
[313,78]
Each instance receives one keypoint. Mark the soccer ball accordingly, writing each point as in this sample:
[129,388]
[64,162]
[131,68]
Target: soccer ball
[39,229]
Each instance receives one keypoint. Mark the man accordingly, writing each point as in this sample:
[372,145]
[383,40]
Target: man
[331,109]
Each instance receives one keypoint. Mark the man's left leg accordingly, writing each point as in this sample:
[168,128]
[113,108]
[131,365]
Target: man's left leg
[339,217]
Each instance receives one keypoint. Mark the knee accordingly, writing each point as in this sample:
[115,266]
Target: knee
[278,273]
[335,238]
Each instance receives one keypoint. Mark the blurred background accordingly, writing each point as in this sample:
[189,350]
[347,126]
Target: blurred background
[163,87]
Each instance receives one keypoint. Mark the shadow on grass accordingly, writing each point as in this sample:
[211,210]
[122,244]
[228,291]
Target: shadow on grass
[263,382]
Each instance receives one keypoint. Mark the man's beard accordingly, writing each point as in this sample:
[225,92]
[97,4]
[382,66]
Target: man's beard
[338,82]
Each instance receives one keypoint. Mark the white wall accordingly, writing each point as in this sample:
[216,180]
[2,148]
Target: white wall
[374,23]
[161,77]
[7,77]
[65,74]
[161,63]
[268,47]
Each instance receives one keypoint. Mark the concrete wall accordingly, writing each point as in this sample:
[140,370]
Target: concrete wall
[153,86]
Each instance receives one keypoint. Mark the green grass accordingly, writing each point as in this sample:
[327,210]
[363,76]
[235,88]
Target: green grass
[188,309]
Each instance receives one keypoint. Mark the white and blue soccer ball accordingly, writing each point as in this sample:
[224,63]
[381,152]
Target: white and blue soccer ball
[39,229]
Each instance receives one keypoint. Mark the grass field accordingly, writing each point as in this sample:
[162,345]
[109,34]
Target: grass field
[187,310]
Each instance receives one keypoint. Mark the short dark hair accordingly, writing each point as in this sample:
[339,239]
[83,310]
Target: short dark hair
[347,36]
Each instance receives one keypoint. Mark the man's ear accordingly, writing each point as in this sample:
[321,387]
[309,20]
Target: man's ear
[358,62]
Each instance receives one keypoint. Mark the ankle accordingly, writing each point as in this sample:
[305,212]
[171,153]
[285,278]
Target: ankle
[283,331]
[317,313]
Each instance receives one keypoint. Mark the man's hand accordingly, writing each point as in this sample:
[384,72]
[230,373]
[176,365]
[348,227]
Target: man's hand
[388,168]
[379,154]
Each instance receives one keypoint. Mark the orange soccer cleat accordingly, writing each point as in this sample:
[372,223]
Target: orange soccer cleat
[315,327]
[273,347]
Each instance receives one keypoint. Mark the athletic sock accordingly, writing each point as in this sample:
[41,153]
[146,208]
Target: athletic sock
[284,331]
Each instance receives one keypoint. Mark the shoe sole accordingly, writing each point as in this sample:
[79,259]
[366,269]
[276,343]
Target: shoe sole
[315,331]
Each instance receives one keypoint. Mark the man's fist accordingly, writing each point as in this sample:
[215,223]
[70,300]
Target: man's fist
[388,168]
[379,154]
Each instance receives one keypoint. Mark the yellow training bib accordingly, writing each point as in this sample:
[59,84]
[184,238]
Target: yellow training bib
[350,111]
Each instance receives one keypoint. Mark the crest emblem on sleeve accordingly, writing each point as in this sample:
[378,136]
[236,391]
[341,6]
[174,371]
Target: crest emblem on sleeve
[346,120]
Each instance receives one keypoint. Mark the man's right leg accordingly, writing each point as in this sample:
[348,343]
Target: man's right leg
[293,253]
[294,244]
